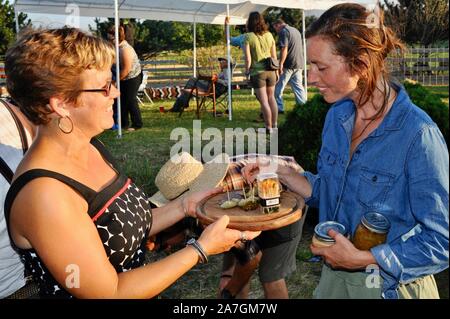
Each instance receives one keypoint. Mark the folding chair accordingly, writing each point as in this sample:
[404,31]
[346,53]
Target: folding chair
[221,91]
[142,93]
[202,87]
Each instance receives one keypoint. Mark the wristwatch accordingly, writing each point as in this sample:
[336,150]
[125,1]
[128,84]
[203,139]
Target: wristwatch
[199,249]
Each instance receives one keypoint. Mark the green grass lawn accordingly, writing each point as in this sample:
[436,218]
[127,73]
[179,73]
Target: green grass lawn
[142,153]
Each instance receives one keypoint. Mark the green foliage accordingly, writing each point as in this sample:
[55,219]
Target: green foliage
[8,25]
[153,37]
[301,134]
[293,17]
[432,104]
[422,22]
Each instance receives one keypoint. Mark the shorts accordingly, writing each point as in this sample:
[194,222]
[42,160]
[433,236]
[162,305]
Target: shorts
[263,79]
[340,284]
[279,261]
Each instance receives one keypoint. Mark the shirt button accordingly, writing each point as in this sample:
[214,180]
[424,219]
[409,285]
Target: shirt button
[374,178]
[358,151]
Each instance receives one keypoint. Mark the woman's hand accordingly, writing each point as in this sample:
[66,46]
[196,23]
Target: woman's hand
[189,204]
[343,254]
[264,165]
[217,238]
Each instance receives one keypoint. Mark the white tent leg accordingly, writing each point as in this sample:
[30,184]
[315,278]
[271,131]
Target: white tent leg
[230,117]
[116,40]
[195,48]
[16,19]
[304,55]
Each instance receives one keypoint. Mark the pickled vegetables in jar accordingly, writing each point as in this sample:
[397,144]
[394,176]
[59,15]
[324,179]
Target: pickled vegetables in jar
[371,231]
[269,192]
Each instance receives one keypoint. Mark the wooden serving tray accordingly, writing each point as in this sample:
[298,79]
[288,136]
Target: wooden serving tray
[291,208]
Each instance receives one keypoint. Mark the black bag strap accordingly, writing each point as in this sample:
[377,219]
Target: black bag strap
[6,170]
[261,46]
[19,125]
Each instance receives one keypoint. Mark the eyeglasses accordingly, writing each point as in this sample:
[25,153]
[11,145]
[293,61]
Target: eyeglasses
[106,90]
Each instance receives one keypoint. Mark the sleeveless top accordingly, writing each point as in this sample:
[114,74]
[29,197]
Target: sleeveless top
[121,212]
[135,64]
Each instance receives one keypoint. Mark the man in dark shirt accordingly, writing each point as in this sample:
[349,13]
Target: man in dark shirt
[291,62]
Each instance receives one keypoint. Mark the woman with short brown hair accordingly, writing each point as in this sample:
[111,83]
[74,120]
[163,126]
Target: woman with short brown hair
[78,222]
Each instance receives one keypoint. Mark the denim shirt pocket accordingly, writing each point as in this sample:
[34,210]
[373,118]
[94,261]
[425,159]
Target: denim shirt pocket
[374,186]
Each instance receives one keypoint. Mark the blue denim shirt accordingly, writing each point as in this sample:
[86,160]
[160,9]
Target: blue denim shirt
[399,170]
[238,41]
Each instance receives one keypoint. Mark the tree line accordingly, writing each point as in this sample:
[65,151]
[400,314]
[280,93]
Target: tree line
[423,22]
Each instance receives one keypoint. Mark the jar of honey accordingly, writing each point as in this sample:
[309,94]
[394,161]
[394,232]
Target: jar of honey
[321,237]
[269,192]
[371,231]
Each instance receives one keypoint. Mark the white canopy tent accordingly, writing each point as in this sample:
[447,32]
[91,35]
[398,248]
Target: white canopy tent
[194,11]
[163,10]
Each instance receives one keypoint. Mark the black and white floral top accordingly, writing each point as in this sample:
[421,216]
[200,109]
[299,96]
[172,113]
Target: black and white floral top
[121,212]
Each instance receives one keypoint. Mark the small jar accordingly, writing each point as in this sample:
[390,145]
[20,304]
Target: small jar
[321,237]
[371,231]
[269,192]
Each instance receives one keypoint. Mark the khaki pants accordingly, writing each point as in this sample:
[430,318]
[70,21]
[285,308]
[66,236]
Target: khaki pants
[337,284]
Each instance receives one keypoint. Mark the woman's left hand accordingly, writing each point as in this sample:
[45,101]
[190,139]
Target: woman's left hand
[343,254]
[189,204]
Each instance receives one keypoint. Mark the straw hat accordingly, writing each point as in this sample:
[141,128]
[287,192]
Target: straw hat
[183,175]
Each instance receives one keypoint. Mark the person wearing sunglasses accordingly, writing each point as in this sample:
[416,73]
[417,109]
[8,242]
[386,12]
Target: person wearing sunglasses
[130,79]
[80,224]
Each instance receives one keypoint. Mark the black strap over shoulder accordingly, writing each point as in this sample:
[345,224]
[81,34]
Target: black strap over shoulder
[105,153]
[87,193]
[6,171]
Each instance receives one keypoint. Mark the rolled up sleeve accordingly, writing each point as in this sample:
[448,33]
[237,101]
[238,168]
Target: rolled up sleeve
[314,181]
[424,249]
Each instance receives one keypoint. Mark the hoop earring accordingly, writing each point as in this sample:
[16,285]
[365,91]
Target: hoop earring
[62,128]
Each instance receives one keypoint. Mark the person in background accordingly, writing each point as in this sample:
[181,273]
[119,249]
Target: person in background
[291,63]
[272,253]
[16,135]
[237,41]
[259,45]
[78,222]
[380,153]
[130,80]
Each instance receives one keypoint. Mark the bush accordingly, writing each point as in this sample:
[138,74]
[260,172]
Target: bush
[301,134]
[431,104]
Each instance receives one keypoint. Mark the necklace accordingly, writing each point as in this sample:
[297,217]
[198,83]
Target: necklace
[364,129]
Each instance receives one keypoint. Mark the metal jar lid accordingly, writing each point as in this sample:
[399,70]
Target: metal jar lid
[321,230]
[376,222]
[264,176]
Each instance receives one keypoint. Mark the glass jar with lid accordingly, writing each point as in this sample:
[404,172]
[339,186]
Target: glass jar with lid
[321,237]
[371,231]
[269,192]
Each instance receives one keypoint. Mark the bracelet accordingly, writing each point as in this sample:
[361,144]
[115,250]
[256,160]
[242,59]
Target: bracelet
[199,249]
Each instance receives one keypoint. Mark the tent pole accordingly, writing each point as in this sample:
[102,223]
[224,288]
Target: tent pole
[195,47]
[230,117]
[116,40]
[16,19]
[304,55]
